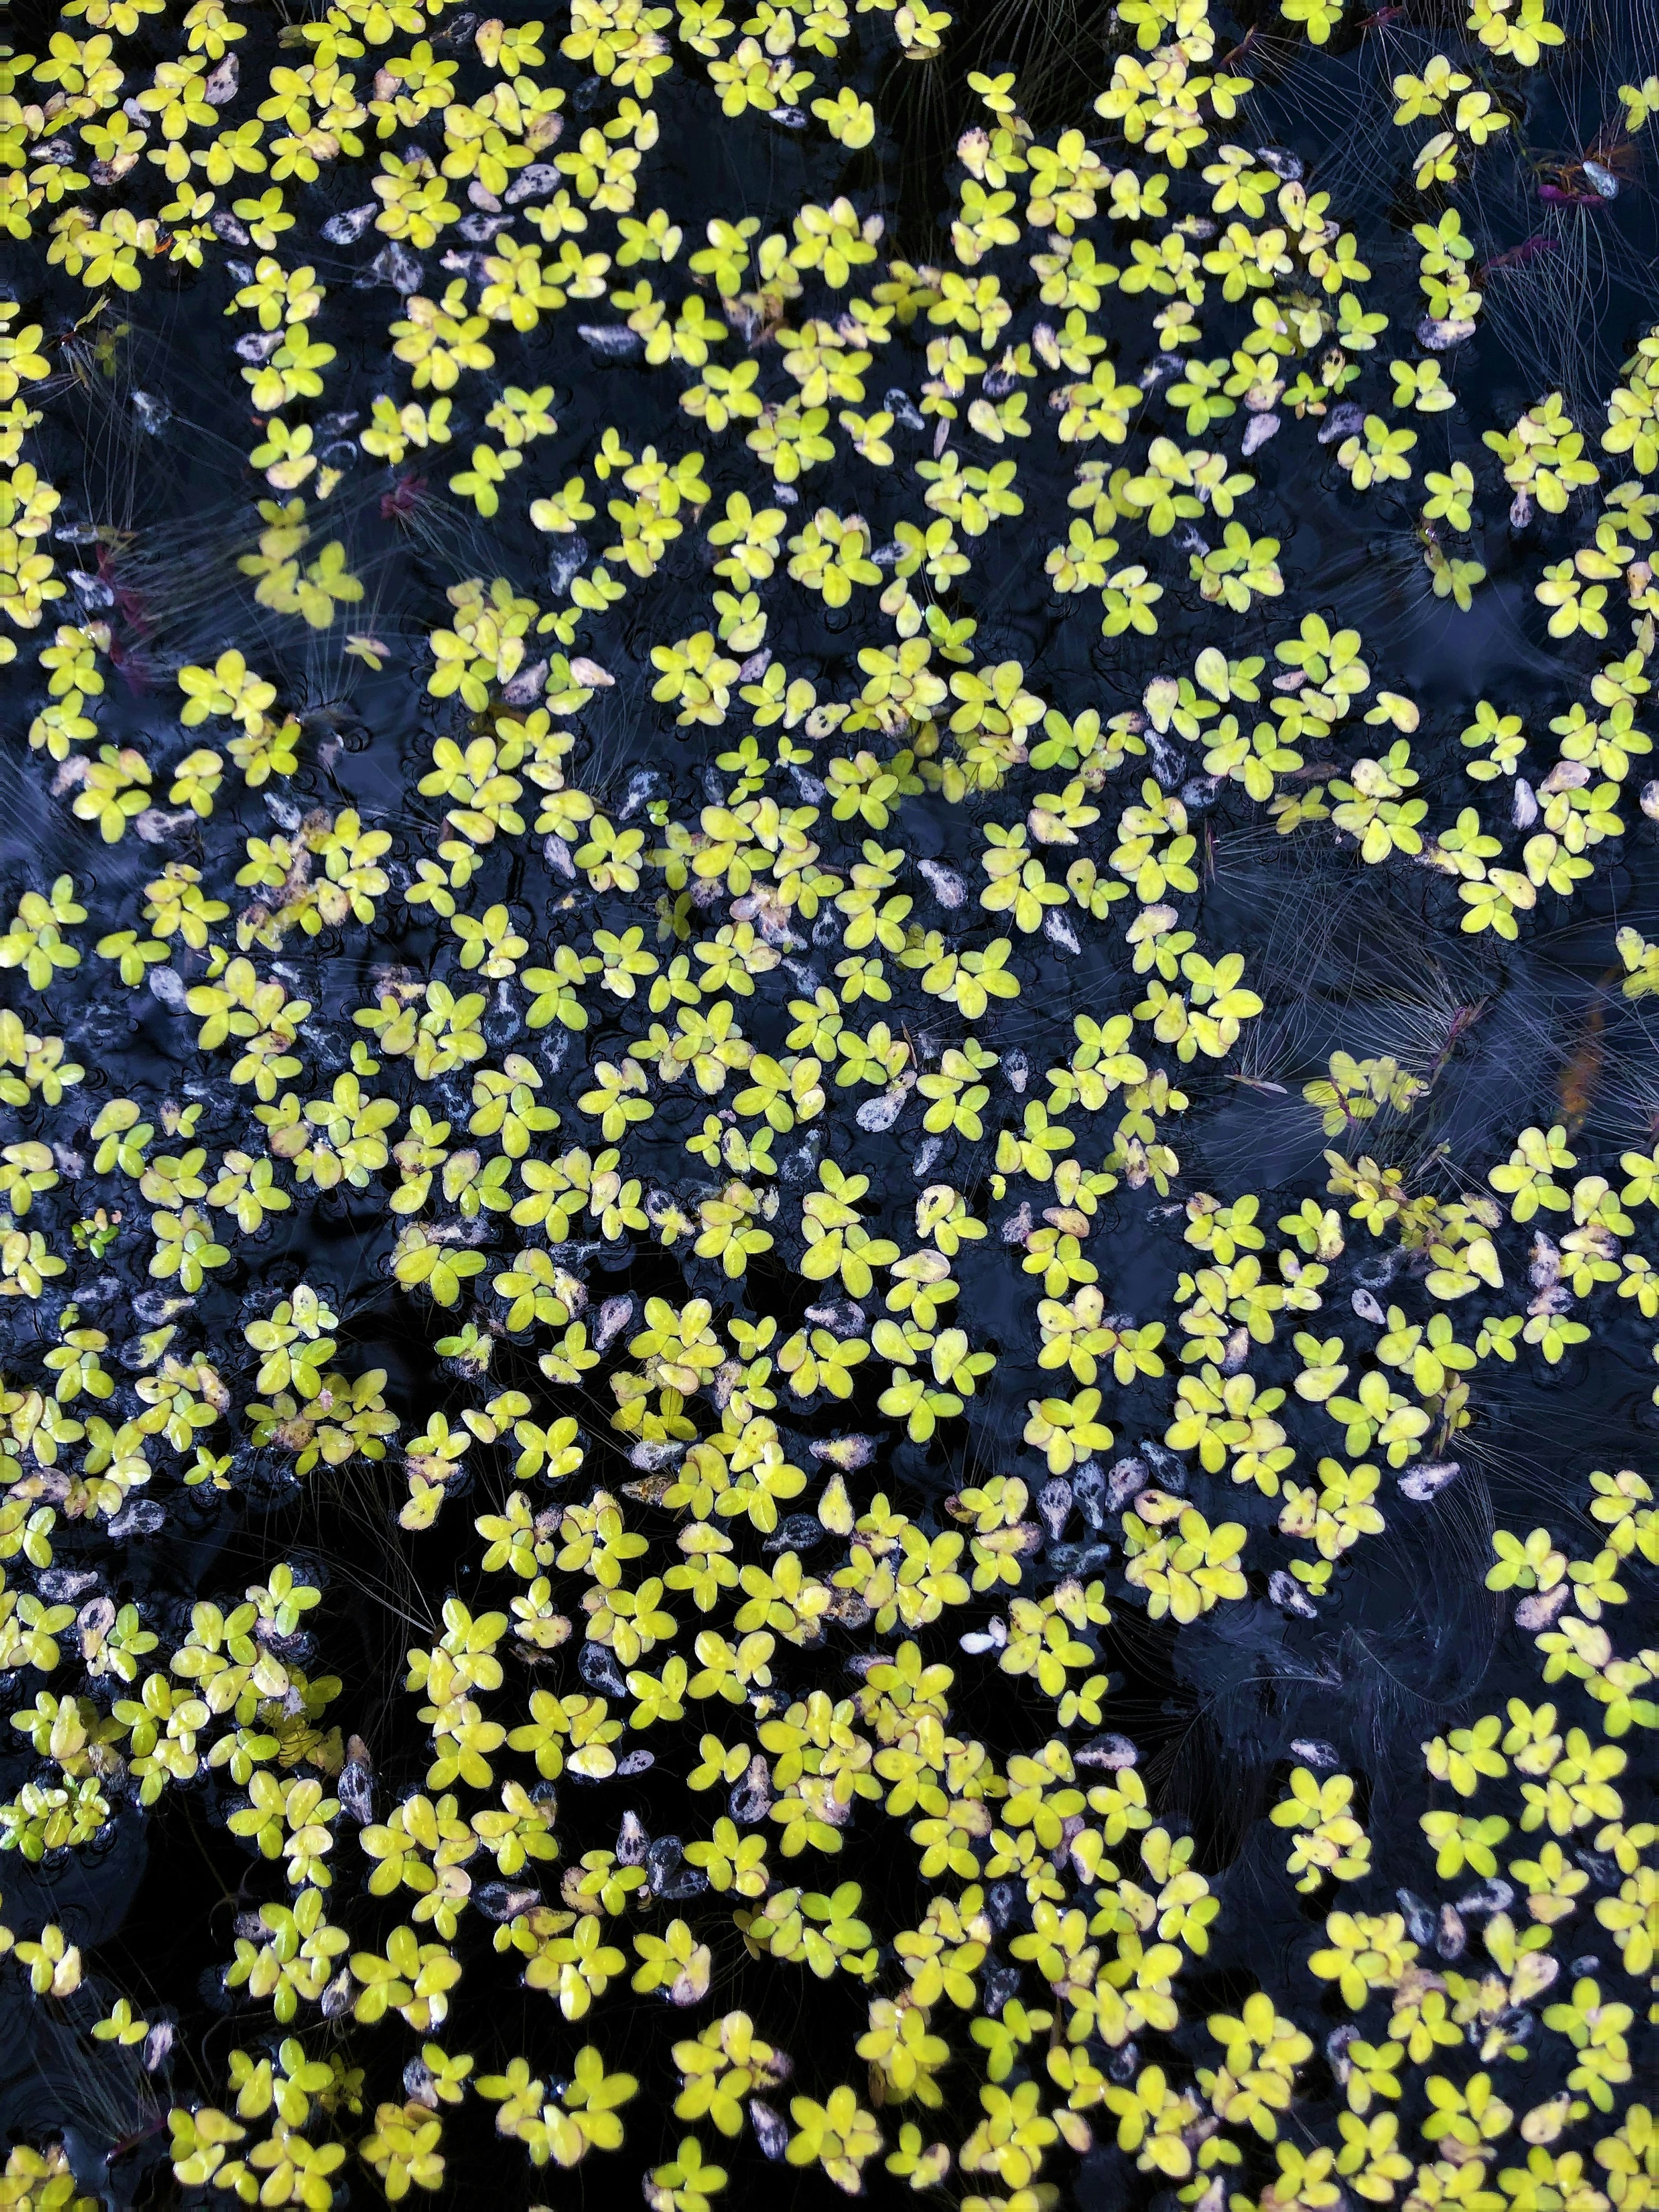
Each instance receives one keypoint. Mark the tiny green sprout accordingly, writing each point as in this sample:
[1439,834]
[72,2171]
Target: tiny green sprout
[421,1261]
[1319,18]
[1534,1564]
[838,2135]
[1066,1430]
[54,1963]
[209,1468]
[1317,1229]
[686,2183]
[230,688]
[1551,1882]
[1623,1505]
[1238,570]
[1452,578]
[1459,1840]
[97,1231]
[35,941]
[1452,496]
[481,481]
[472,1347]
[1314,1575]
[923,2166]
[1356,1091]
[120,2025]
[1499,736]
[1574,606]
[995,93]
[286,457]
[134,955]
[1596,2030]
[447,2075]
[402,2150]
[114,790]
[1367,1951]
[1377,454]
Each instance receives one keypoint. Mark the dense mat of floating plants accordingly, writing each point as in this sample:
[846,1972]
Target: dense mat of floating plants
[630,1381]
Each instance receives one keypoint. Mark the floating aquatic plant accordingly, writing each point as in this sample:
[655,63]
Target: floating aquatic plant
[514,1269]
